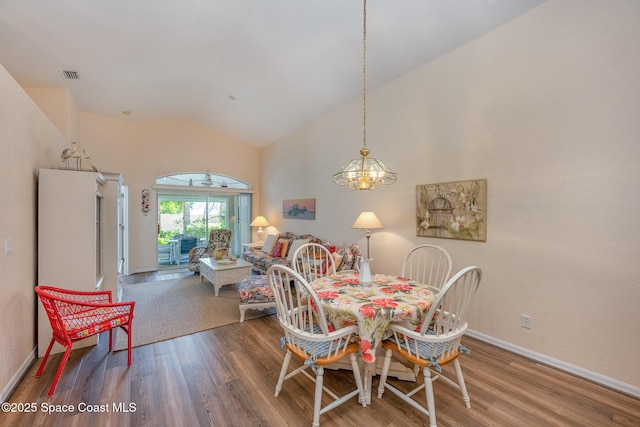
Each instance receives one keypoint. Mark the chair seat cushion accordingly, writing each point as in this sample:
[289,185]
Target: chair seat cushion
[305,349]
[255,289]
[100,319]
[321,348]
[429,351]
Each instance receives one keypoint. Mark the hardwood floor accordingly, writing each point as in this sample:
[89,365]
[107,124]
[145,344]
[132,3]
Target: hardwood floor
[227,376]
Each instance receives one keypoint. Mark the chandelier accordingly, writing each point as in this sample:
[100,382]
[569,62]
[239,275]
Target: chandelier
[364,173]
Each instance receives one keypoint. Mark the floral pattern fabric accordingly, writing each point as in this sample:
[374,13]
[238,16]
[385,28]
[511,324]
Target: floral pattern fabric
[255,289]
[218,238]
[349,255]
[373,307]
[262,261]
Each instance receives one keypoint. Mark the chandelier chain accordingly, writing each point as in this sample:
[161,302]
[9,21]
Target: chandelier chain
[364,173]
[364,75]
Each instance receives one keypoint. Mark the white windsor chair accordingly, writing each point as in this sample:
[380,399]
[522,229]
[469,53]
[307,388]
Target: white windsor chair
[313,261]
[308,339]
[428,264]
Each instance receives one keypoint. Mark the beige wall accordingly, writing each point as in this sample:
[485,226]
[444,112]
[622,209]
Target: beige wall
[142,151]
[546,109]
[60,107]
[28,142]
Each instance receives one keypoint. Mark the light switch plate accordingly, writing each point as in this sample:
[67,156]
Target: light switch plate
[8,247]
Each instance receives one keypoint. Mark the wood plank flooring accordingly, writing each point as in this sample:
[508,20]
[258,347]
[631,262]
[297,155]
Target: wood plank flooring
[226,377]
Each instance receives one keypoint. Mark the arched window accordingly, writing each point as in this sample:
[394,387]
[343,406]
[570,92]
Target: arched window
[191,204]
[202,179]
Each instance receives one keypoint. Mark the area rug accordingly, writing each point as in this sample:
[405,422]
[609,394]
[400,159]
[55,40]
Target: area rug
[168,309]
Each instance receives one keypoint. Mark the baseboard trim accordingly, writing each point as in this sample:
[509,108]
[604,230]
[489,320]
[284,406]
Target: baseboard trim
[559,364]
[17,377]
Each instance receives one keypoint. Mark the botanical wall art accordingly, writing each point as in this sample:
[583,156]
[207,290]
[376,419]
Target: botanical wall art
[299,209]
[452,210]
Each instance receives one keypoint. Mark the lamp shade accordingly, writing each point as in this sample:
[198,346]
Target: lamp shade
[367,221]
[259,221]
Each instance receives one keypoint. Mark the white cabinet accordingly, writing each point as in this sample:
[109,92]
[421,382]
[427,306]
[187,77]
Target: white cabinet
[77,238]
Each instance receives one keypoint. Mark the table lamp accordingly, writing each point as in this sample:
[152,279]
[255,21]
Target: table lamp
[367,221]
[259,222]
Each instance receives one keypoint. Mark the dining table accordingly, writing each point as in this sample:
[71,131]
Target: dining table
[372,307]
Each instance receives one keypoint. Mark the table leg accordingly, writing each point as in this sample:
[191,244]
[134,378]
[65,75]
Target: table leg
[369,372]
[396,370]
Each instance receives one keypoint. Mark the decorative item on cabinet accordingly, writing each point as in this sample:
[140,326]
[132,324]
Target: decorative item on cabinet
[86,157]
[73,153]
[69,153]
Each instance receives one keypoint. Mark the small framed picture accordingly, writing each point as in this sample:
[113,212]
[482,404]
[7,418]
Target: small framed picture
[299,209]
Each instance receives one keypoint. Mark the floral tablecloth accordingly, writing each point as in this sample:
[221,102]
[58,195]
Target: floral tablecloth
[372,307]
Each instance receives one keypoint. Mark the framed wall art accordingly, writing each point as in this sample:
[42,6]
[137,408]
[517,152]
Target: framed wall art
[452,210]
[144,196]
[299,209]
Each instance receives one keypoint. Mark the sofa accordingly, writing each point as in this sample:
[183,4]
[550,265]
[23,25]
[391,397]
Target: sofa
[345,256]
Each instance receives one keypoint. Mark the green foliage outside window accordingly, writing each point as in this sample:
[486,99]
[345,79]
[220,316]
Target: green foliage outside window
[171,207]
[195,227]
[164,236]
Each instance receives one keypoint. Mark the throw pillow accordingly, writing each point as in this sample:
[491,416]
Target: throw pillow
[277,249]
[269,243]
[337,260]
[294,247]
[347,256]
[285,246]
[355,252]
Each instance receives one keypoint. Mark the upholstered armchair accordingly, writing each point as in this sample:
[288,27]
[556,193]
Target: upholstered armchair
[218,239]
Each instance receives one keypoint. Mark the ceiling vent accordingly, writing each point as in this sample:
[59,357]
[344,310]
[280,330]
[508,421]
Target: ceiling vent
[70,75]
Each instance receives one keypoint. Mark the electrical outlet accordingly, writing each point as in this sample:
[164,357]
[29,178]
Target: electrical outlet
[525,321]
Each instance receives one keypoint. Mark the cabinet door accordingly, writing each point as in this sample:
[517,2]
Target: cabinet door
[111,232]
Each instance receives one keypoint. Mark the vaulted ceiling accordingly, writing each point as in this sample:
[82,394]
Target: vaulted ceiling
[252,69]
